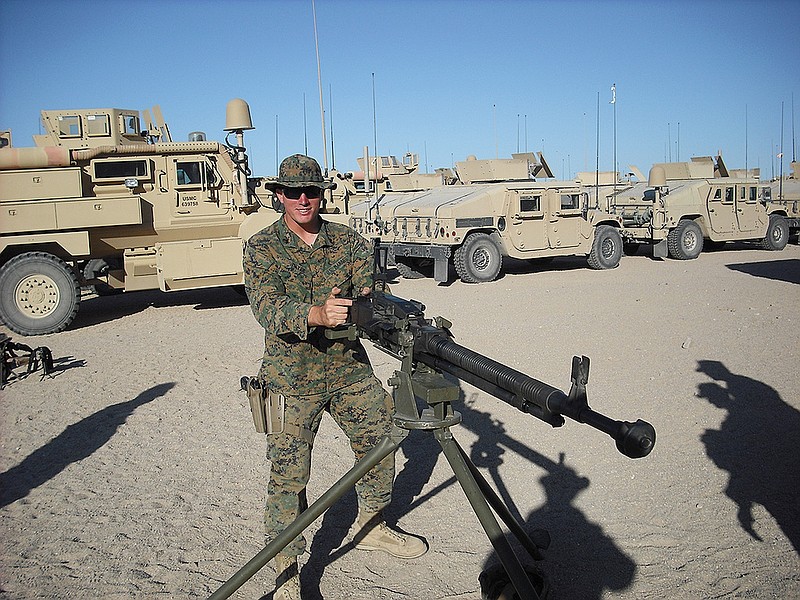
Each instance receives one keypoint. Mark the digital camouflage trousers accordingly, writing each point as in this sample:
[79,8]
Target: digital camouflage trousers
[363,411]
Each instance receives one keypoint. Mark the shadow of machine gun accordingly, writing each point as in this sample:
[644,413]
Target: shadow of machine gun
[426,351]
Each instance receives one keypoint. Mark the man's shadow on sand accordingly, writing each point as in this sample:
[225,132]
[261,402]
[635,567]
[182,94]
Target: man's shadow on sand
[581,560]
[758,444]
[76,442]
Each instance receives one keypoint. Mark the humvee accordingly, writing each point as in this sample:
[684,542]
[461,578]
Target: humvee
[102,201]
[783,197]
[686,204]
[472,227]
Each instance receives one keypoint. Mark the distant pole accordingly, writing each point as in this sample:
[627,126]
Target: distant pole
[597,158]
[614,102]
[526,133]
[517,133]
[319,85]
[305,129]
[330,104]
[669,140]
[678,148]
[276,145]
[494,121]
[374,127]
[794,156]
[746,171]
[780,155]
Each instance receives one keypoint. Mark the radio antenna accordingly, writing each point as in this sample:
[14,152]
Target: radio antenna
[319,85]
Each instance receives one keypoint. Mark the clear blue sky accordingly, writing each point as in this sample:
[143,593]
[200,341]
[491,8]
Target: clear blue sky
[451,78]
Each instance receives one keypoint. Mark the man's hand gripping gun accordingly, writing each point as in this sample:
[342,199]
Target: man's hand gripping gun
[399,328]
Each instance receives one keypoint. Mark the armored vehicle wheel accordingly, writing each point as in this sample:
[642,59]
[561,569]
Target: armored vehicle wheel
[606,249]
[39,294]
[777,234]
[685,242]
[101,266]
[414,268]
[478,259]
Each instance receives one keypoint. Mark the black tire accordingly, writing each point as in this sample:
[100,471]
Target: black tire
[777,233]
[101,266]
[414,268]
[606,249]
[478,259]
[39,294]
[685,242]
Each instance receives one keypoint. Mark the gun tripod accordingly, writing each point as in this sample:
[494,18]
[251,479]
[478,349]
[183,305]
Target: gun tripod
[438,417]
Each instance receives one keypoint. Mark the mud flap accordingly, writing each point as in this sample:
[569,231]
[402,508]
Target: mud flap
[660,250]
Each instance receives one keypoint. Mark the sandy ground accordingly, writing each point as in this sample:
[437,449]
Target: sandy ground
[135,472]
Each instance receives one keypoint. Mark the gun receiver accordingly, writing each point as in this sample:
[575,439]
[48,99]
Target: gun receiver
[398,327]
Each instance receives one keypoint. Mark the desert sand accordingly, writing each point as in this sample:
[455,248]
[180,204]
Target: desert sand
[134,471]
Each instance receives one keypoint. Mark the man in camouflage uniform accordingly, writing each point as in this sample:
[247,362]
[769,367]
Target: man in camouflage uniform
[299,274]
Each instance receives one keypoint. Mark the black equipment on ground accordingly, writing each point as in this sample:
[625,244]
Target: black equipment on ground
[15,355]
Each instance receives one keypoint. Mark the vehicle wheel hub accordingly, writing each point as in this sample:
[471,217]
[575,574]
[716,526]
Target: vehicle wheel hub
[481,259]
[36,296]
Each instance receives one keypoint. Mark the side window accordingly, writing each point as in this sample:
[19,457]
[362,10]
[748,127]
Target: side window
[117,170]
[742,193]
[767,194]
[194,174]
[530,204]
[717,194]
[729,195]
[188,173]
[130,125]
[98,125]
[753,194]
[69,126]
[570,201]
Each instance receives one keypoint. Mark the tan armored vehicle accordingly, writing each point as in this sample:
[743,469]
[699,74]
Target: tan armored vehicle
[472,227]
[98,201]
[684,204]
[784,198]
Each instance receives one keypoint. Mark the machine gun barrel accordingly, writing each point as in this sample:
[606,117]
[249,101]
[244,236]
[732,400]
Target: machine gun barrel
[435,349]
[392,322]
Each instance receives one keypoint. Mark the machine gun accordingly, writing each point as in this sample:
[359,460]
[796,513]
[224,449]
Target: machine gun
[426,350]
[425,347]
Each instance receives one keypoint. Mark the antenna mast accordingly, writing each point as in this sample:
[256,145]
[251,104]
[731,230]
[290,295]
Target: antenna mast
[319,84]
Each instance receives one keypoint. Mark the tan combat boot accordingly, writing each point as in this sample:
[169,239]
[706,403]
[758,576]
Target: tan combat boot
[372,533]
[287,580]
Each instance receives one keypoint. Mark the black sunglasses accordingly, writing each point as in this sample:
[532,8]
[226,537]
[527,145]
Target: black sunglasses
[294,193]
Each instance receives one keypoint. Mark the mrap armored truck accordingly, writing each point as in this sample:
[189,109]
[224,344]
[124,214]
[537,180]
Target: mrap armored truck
[685,205]
[472,227]
[101,201]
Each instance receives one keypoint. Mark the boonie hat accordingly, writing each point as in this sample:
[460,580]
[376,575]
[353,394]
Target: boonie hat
[299,170]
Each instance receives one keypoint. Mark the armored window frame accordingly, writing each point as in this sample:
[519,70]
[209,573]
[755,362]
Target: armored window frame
[119,169]
[129,125]
[766,192]
[717,195]
[753,198]
[729,195]
[359,185]
[530,203]
[570,201]
[98,125]
[201,174]
[69,126]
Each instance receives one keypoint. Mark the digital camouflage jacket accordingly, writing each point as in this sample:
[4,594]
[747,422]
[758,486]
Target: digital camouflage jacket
[284,278]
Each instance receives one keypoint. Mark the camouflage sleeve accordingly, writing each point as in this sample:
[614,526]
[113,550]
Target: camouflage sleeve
[273,309]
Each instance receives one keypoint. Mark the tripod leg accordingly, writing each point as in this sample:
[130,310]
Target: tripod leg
[501,509]
[458,462]
[384,448]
